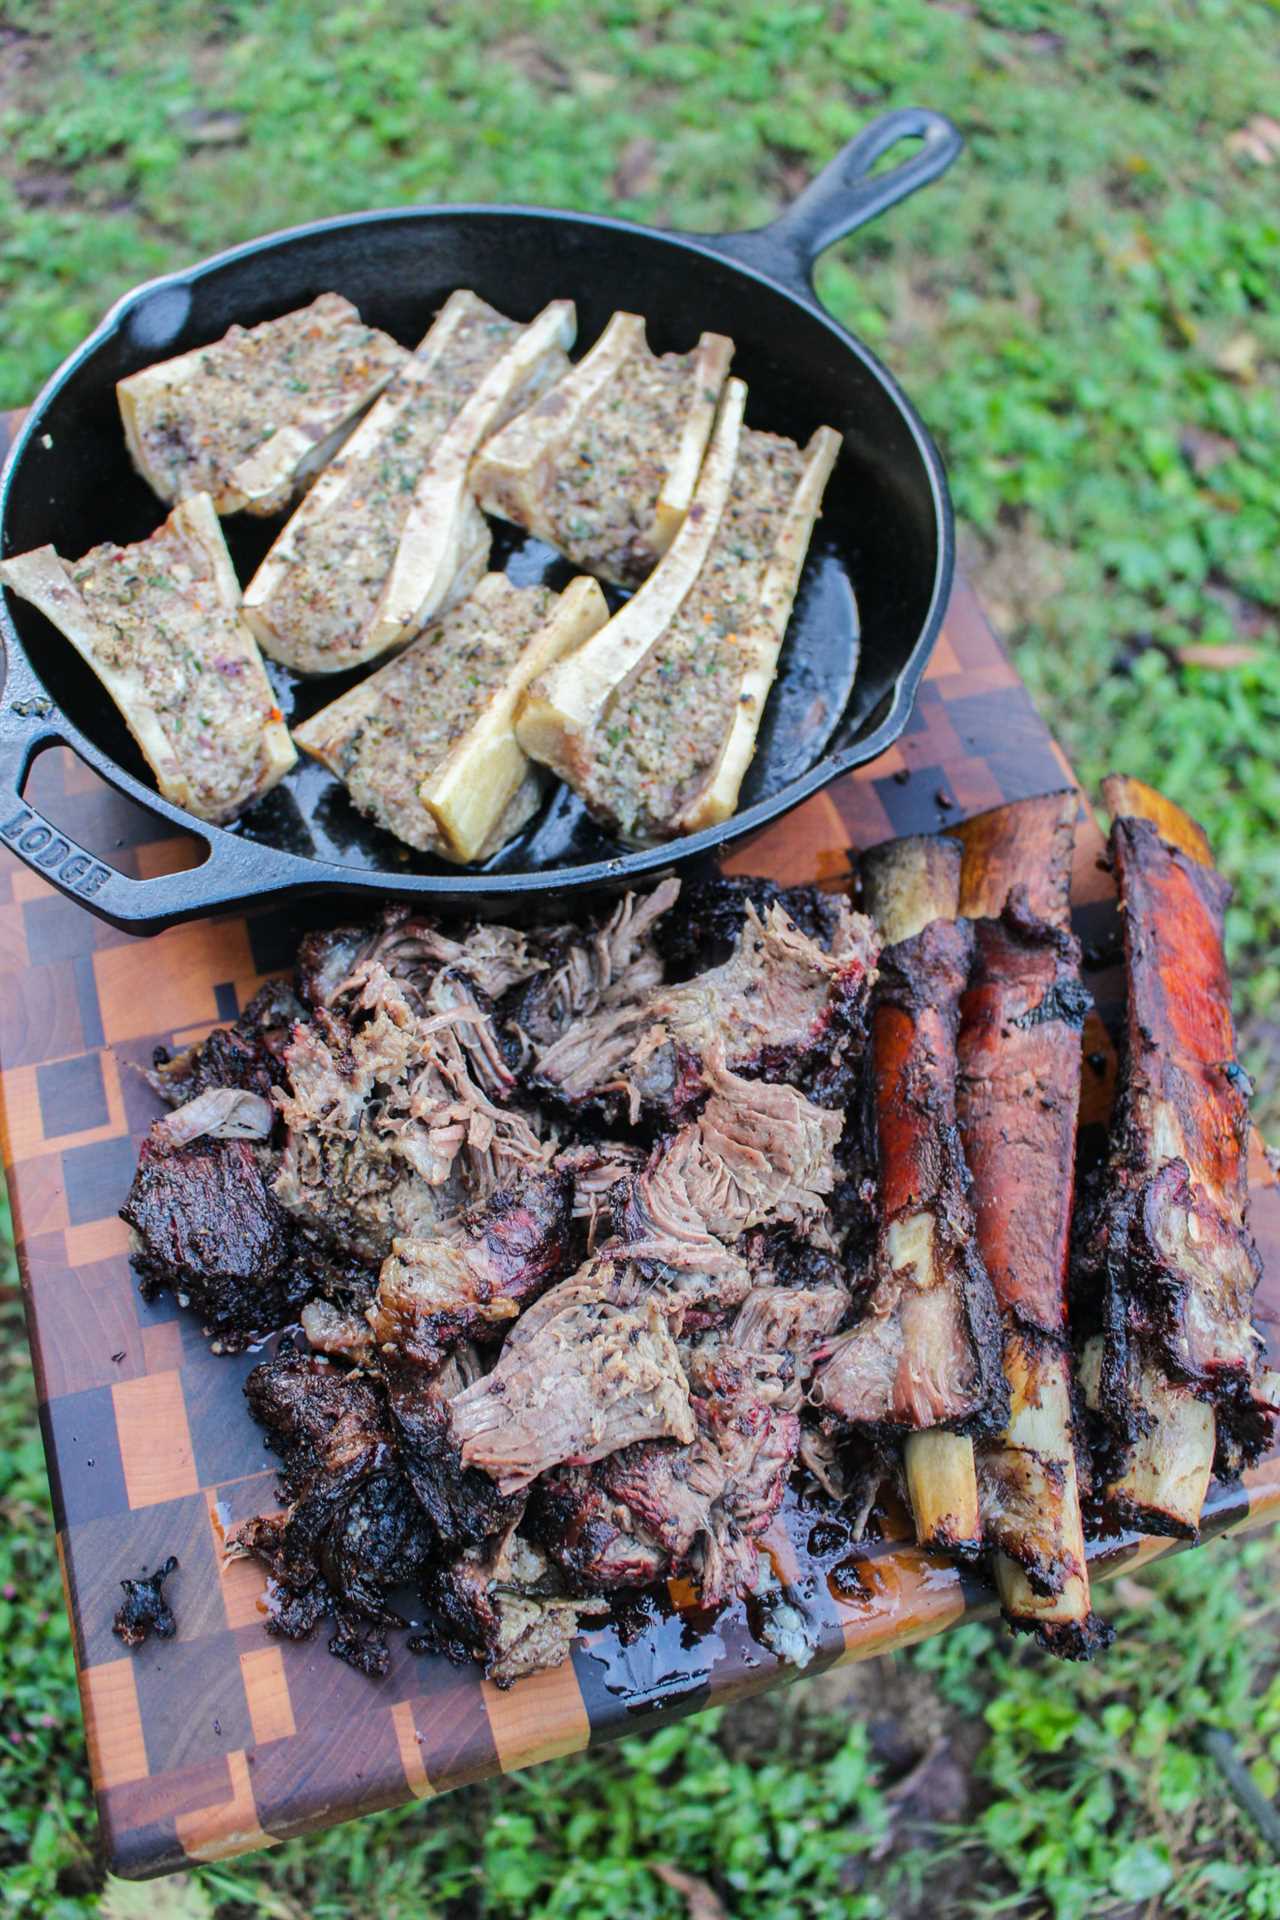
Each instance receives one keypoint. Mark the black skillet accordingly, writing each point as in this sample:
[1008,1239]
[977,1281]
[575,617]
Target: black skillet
[868,612]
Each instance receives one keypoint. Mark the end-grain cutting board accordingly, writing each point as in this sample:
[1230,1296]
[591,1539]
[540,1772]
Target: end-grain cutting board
[222,1739]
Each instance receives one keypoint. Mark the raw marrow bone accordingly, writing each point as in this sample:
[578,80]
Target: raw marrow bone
[250,418]
[426,746]
[655,722]
[604,465]
[160,624]
[390,536]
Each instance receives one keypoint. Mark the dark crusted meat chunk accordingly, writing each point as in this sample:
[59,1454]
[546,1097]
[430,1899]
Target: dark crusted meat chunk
[505,1605]
[352,1528]
[145,1610]
[246,1054]
[434,1292]
[207,1226]
[461,1503]
[593,1376]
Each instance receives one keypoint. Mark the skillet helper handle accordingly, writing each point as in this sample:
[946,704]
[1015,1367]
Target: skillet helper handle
[846,195]
[28,723]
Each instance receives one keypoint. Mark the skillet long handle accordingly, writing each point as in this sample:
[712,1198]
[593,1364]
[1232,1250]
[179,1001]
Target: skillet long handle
[846,195]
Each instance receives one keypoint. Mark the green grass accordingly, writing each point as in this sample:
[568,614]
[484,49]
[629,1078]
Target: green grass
[1085,311]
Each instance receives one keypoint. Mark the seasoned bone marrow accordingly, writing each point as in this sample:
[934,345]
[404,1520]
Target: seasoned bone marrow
[655,722]
[426,745]
[390,534]
[250,417]
[604,465]
[160,624]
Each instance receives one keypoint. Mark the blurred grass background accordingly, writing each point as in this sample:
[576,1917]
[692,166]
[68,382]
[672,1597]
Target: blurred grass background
[1085,311]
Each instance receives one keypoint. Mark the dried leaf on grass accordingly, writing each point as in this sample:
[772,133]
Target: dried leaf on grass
[702,1902]
[1257,140]
[1222,657]
[181,1897]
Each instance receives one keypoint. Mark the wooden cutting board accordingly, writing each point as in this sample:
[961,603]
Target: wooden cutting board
[223,1740]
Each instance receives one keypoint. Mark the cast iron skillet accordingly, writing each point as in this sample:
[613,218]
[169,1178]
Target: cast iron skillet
[850,667]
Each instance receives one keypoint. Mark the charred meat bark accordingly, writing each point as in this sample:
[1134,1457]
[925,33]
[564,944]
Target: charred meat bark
[505,1605]
[353,1527]
[1166,1252]
[207,1226]
[145,1610]
[1017,1100]
[462,1504]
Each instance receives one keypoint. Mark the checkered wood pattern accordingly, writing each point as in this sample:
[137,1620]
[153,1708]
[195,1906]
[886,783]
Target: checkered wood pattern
[224,1740]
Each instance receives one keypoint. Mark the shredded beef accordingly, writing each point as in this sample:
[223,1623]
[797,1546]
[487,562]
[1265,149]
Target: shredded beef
[781,1008]
[707,928]
[388,1133]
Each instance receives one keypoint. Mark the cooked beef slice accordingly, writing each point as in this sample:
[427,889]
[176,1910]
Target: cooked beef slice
[504,1605]
[593,1377]
[494,958]
[780,1009]
[611,964]
[246,1054]
[708,926]
[145,1610]
[434,1292]
[207,1226]
[387,1133]
[461,1503]
[353,1527]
